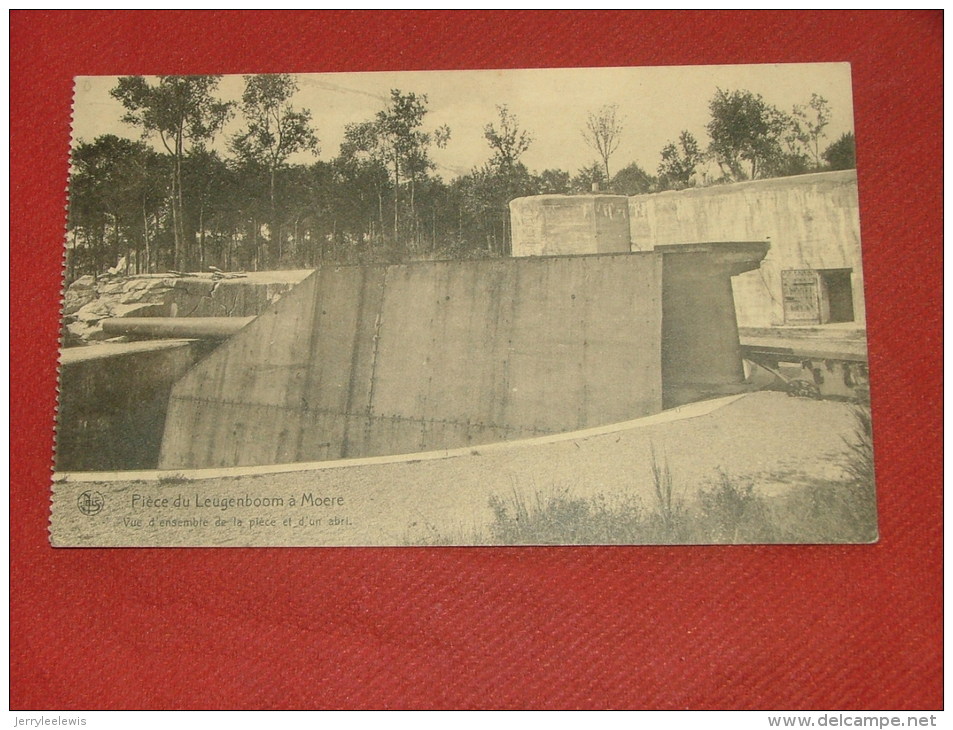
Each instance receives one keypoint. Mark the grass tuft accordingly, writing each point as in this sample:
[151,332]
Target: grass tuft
[725,510]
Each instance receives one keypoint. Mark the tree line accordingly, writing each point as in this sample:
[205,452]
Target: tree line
[182,205]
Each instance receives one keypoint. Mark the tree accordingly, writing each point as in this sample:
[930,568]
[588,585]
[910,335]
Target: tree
[504,177]
[586,177]
[602,133]
[486,192]
[395,139]
[363,163]
[405,142]
[553,181]
[204,176]
[507,141]
[746,134]
[116,189]
[679,161]
[633,180]
[841,155]
[811,124]
[275,131]
[182,111]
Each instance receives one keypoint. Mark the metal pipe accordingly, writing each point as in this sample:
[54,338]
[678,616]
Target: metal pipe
[196,328]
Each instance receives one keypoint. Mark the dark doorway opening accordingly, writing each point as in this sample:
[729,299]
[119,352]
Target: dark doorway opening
[837,295]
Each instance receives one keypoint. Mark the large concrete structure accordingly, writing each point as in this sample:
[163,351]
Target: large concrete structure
[376,360]
[113,400]
[551,225]
[812,275]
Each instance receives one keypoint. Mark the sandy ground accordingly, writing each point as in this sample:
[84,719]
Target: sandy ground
[776,441]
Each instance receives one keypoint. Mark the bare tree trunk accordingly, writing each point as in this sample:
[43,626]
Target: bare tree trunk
[273,222]
[380,211]
[297,246]
[71,261]
[413,212]
[176,242]
[507,235]
[396,198]
[145,235]
[178,224]
[99,249]
[118,243]
[202,236]
[254,233]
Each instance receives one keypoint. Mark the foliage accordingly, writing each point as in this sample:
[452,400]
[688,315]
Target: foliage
[180,198]
[746,134]
[726,511]
[732,512]
[602,133]
[679,161]
[723,510]
[840,155]
[507,141]
[809,122]
[553,182]
[117,189]
[669,509]
[488,190]
[751,139]
[584,180]
[274,130]
[183,112]
[396,141]
[558,518]
[633,180]
[860,458]
[180,109]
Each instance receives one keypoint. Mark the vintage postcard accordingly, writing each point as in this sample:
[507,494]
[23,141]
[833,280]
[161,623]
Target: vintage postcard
[510,307]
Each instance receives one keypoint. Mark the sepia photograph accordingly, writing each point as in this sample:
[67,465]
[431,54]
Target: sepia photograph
[587,306]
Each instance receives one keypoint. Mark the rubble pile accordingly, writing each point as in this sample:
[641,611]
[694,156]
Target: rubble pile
[88,300]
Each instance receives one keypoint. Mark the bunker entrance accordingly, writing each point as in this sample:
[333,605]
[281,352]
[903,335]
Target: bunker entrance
[817,296]
[836,290]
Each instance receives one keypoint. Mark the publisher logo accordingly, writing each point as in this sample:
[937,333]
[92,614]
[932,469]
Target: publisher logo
[90,503]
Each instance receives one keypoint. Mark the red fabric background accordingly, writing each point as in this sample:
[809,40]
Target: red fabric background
[856,627]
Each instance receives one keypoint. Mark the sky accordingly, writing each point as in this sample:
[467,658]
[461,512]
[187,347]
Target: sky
[654,103]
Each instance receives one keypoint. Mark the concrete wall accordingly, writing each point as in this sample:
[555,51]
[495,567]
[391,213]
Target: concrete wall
[701,352]
[553,225]
[812,222]
[365,361]
[113,400]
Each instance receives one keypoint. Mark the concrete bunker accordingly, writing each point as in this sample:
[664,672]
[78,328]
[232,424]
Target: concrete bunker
[374,360]
[377,360]
[551,225]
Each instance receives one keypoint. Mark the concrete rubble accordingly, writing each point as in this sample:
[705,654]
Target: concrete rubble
[88,301]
